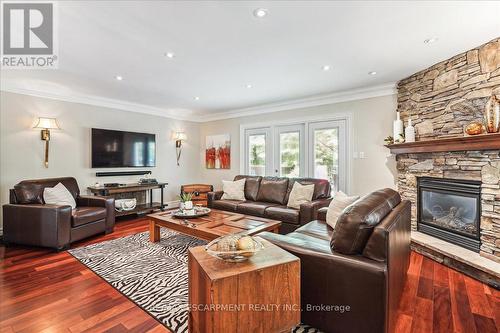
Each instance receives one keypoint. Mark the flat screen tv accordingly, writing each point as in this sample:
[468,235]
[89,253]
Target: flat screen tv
[118,149]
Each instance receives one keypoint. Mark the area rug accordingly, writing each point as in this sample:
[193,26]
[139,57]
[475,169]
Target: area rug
[153,275]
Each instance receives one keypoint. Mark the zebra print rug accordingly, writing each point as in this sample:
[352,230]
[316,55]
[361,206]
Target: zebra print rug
[152,275]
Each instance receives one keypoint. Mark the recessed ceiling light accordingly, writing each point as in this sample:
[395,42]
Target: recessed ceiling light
[326,68]
[169,55]
[372,73]
[430,40]
[260,12]
[118,77]
[249,86]
[196,98]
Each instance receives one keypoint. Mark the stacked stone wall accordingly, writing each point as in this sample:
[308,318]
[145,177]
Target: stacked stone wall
[441,101]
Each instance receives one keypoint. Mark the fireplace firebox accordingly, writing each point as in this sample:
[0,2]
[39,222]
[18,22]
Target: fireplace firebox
[450,209]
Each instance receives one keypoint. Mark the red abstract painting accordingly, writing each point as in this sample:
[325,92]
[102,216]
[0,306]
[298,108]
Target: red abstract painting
[218,152]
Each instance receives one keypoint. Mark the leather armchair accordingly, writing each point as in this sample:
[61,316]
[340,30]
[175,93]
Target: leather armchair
[28,221]
[369,281]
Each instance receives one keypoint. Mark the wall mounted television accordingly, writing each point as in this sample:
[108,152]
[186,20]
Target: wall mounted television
[119,149]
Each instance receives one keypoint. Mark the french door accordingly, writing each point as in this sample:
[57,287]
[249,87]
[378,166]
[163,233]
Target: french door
[258,152]
[315,149]
[289,145]
[328,154]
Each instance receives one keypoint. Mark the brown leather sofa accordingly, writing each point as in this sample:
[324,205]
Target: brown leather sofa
[268,197]
[361,264]
[27,220]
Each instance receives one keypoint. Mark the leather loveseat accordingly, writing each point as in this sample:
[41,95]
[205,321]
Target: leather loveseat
[268,197]
[27,220]
[362,264]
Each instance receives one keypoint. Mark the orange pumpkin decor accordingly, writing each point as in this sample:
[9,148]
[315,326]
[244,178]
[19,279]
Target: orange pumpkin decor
[218,152]
[474,128]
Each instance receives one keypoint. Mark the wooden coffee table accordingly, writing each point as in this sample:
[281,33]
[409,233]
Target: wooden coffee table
[217,223]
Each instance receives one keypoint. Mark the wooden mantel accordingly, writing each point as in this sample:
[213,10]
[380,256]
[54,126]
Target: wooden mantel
[478,142]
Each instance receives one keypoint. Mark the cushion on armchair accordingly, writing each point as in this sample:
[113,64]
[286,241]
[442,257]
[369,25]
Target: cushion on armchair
[357,221]
[84,215]
[59,195]
[337,205]
[29,193]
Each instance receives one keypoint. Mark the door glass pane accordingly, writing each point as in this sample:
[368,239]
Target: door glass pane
[257,154]
[326,155]
[290,154]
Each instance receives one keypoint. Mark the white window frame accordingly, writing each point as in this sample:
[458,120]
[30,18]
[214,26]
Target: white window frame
[271,126]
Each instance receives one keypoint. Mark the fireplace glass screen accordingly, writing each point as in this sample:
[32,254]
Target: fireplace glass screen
[450,211]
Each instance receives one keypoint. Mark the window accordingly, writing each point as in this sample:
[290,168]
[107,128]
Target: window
[302,149]
[257,152]
[289,145]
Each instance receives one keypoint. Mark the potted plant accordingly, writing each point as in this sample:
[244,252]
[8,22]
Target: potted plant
[186,201]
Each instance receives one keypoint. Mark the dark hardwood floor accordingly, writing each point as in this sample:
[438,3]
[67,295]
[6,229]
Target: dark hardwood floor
[43,291]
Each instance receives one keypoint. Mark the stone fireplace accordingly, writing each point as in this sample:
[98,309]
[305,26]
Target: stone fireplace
[441,101]
[450,209]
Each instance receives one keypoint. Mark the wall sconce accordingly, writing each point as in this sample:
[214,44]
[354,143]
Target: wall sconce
[46,124]
[179,136]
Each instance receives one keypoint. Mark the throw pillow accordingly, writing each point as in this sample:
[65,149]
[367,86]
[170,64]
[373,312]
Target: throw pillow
[29,193]
[233,190]
[58,195]
[300,194]
[337,205]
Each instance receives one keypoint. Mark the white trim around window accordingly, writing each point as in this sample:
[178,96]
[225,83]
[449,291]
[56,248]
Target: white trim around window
[308,124]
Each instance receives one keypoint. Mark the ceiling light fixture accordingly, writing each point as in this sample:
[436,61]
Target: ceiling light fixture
[196,98]
[372,73]
[169,55]
[249,86]
[326,68]
[260,12]
[430,40]
[118,77]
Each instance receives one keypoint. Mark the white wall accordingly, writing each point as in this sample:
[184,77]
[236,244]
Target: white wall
[371,123]
[22,151]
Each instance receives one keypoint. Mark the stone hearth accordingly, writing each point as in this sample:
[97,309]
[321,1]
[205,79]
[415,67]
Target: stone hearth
[441,101]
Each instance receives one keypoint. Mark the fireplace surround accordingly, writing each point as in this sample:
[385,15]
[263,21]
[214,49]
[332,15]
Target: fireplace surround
[450,209]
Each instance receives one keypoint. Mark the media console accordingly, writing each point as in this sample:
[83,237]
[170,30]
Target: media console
[137,191]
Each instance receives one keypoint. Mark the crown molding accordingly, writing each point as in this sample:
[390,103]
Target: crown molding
[12,87]
[336,97]
[332,98]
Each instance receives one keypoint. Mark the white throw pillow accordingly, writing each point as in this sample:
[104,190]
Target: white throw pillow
[58,195]
[337,205]
[234,190]
[300,194]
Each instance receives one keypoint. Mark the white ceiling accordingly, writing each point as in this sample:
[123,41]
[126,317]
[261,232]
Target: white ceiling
[220,47]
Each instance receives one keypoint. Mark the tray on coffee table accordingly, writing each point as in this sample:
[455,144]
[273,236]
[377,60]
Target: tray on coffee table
[217,223]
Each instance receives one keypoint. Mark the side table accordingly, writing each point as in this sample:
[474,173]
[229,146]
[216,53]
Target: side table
[261,294]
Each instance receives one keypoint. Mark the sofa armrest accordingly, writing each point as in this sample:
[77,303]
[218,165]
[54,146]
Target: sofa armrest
[99,201]
[322,213]
[37,225]
[309,210]
[213,196]
[330,278]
